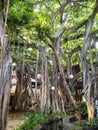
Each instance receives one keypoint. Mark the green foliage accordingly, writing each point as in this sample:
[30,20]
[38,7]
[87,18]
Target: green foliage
[38,118]
[32,121]
[85,124]
[83,109]
[77,126]
[20,14]
[58,114]
[90,123]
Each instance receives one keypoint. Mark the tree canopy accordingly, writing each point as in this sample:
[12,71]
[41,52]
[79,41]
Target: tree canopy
[41,22]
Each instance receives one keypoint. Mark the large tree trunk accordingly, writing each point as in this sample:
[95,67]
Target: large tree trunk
[5,84]
[18,88]
[86,74]
[56,95]
[5,77]
[45,96]
[22,90]
[67,96]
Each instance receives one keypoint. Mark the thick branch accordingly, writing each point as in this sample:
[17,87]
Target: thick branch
[73,51]
[60,30]
[54,15]
[76,37]
[33,45]
[1,28]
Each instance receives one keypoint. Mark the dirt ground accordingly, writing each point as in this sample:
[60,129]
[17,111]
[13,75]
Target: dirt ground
[15,120]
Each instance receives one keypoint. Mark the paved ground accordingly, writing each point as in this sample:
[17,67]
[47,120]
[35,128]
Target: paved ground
[15,120]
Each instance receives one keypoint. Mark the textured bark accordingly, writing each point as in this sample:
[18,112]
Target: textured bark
[22,91]
[67,96]
[43,85]
[86,74]
[17,93]
[36,72]
[19,88]
[55,83]
[45,96]
[57,100]
[5,83]
[5,76]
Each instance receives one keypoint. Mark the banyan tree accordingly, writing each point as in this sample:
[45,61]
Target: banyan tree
[63,37]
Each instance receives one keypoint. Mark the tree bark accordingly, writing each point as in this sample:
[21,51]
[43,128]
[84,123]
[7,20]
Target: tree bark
[86,74]
[5,76]
[45,96]
[67,96]
[5,84]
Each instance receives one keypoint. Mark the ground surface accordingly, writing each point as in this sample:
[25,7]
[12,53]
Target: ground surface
[15,120]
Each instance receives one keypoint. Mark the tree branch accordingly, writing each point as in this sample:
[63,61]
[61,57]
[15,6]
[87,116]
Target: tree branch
[60,31]
[76,37]
[33,45]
